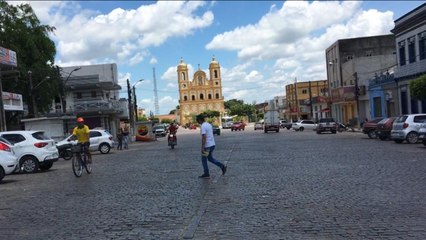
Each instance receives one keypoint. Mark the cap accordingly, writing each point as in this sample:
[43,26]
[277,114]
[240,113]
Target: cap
[80,120]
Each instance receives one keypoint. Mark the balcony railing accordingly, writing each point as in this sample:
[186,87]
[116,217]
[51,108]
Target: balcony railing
[104,106]
[381,79]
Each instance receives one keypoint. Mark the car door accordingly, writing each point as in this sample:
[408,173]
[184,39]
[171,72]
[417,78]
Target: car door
[20,146]
[309,124]
[95,139]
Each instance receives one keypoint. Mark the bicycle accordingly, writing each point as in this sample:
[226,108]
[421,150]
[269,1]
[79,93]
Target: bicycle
[79,160]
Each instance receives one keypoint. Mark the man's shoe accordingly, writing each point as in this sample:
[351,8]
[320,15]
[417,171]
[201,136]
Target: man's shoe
[204,176]
[224,168]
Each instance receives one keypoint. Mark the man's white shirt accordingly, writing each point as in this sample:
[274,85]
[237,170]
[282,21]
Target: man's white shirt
[207,129]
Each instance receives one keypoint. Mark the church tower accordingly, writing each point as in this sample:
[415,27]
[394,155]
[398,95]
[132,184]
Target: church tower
[201,93]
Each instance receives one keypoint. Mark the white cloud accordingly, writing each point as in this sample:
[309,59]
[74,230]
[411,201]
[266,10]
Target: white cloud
[87,36]
[153,61]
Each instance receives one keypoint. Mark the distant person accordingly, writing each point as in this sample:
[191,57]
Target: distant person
[125,134]
[120,139]
[207,147]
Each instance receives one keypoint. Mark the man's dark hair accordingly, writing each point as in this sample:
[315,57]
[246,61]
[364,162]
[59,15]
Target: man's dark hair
[200,117]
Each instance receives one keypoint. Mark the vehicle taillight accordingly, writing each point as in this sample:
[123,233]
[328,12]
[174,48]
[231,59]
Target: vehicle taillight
[4,147]
[405,125]
[40,144]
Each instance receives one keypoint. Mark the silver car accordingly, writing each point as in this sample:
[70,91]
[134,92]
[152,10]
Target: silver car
[100,140]
[406,127]
[304,124]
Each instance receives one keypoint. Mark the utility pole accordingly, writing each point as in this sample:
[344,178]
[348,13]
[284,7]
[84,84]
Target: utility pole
[135,105]
[2,113]
[297,101]
[33,102]
[129,98]
[310,100]
[157,107]
[357,96]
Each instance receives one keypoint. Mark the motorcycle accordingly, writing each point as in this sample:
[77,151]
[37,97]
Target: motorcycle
[341,127]
[172,140]
[65,151]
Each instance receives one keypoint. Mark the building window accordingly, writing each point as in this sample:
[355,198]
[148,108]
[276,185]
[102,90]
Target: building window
[185,98]
[183,76]
[217,95]
[193,98]
[349,57]
[422,45]
[217,83]
[201,96]
[210,96]
[94,94]
[411,50]
[369,53]
[79,95]
[401,50]
[215,73]
[304,91]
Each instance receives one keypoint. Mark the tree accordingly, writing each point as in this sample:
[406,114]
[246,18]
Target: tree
[21,31]
[211,113]
[418,88]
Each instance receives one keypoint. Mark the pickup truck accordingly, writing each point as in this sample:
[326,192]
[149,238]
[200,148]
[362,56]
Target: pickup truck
[327,125]
[285,124]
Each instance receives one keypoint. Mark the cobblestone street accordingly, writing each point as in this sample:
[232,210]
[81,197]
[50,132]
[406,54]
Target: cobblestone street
[286,185]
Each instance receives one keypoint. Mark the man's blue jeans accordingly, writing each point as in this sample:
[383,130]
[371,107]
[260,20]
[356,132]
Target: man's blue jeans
[210,158]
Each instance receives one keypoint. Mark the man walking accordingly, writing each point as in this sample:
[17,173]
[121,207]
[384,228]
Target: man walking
[207,147]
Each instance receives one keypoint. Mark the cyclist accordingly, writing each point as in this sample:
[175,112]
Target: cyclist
[81,133]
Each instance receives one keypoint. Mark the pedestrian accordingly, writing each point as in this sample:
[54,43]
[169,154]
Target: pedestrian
[125,134]
[120,139]
[207,147]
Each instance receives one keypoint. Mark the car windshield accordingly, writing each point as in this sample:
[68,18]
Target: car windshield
[401,119]
[322,120]
[40,136]
[159,127]
[383,121]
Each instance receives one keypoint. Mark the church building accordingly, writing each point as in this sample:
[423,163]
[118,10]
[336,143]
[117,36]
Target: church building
[200,93]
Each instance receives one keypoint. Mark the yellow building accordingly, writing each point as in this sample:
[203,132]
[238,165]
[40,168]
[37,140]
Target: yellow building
[306,99]
[201,93]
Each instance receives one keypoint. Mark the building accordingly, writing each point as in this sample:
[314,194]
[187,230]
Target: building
[201,93]
[280,104]
[351,63]
[306,100]
[410,40]
[92,92]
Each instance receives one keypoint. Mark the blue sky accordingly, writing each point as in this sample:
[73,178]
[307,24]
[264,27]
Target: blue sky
[260,45]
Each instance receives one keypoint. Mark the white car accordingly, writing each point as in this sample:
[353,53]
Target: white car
[34,149]
[304,124]
[8,159]
[100,140]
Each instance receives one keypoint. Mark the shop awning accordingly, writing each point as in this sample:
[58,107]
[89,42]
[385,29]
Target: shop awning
[325,110]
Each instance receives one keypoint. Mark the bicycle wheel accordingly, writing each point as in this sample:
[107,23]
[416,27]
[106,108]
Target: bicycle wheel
[77,167]
[88,165]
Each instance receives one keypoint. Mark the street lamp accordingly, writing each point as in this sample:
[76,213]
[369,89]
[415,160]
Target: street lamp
[62,98]
[134,97]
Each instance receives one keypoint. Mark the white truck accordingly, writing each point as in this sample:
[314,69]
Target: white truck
[272,121]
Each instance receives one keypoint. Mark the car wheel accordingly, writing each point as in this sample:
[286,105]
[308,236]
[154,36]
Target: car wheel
[288,128]
[424,142]
[29,164]
[372,134]
[333,132]
[301,129]
[104,148]
[2,173]
[46,166]
[318,132]
[382,138]
[412,137]
[398,141]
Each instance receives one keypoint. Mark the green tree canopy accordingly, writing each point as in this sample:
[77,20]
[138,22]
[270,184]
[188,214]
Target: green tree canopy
[21,31]
[418,87]
[238,107]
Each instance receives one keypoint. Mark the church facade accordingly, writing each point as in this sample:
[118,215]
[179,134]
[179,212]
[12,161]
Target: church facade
[201,93]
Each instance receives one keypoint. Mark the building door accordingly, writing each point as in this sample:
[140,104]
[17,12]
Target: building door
[377,107]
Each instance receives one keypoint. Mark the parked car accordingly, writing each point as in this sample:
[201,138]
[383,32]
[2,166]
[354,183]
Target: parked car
[33,149]
[327,125]
[422,133]
[384,128]
[8,159]
[100,140]
[216,130]
[285,124]
[406,127]
[304,124]
[369,127]
[159,130]
[258,125]
[238,126]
